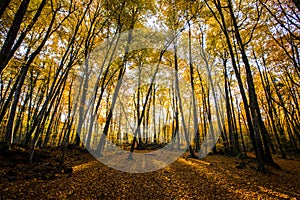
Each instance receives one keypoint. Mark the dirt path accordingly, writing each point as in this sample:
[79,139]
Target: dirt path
[183,179]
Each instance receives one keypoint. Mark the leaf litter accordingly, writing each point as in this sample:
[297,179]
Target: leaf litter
[214,177]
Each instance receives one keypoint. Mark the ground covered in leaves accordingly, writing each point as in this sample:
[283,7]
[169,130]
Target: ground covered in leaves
[83,177]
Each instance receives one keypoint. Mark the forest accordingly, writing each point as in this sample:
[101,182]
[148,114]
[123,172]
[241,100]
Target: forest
[165,92]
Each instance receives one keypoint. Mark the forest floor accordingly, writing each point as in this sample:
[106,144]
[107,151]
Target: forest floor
[83,177]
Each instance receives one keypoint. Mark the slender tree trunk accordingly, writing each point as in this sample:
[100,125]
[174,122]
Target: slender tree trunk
[12,34]
[116,92]
[253,130]
[110,113]
[234,124]
[194,106]
[228,109]
[241,131]
[154,115]
[82,106]
[254,107]
[22,79]
[180,104]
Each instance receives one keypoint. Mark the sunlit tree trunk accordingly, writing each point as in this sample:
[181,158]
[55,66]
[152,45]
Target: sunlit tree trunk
[116,92]
[178,94]
[194,103]
[154,115]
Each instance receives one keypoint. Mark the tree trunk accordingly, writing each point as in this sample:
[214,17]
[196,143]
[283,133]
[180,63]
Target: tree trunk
[12,34]
[256,140]
[180,105]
